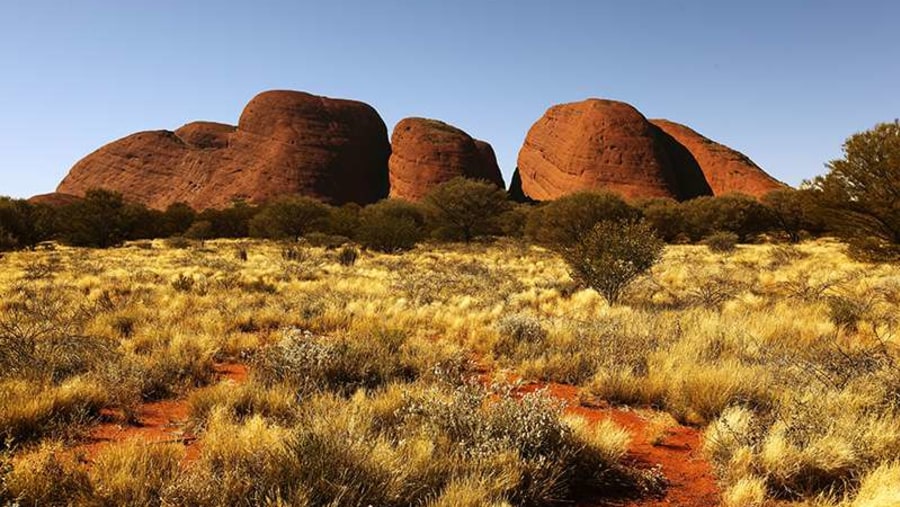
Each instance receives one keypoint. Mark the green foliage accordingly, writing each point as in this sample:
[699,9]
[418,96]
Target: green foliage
[178,218]
[289,218]
[862,189]
[564,222]
[462,209]
[666,217]
[20,224]
[391,225]
[231,222]
[348,256]
[101,220]
[512,222]
[612,254]
[201,229]
[793,212]
[344,220]
[737,213]
[721,241]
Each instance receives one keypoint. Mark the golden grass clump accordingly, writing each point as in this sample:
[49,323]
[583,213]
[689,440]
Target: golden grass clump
[134,473]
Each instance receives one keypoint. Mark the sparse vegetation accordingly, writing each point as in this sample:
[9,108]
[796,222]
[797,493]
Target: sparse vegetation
[364,386]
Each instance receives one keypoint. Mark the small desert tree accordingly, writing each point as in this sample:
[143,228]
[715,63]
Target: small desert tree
[391,225]
[737,213]
[463,209]
[612,254]
[289,217]
[102,219]
[178,218]
[792,211]
[565,221]
[862,190]
[16,224]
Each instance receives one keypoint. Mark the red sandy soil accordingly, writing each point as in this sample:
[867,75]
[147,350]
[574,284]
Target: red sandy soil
[678,456]
[689,477]
[157,422]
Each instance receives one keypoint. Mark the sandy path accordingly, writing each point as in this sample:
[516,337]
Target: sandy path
[677,456]
[157,422]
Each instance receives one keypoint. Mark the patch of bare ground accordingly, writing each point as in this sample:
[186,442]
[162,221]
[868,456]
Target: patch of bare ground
[674,451]
[156,422]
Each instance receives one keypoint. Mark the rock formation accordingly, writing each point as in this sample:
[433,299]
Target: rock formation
[594,145]
[54,199]
[285,142]
[607,145]
[515,189]
[725,169]
[426,153]
[490,169]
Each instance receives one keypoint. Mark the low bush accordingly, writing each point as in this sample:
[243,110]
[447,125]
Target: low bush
[391,226]
[611,255]
[343,364]
[348,255]
[721,242]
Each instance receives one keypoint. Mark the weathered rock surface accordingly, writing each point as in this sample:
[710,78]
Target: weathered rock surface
[689,177]
[604,145]
[426,153]
[595,145]
[515,189]
[54,199]
[490,169]
[286,142]
[725,169]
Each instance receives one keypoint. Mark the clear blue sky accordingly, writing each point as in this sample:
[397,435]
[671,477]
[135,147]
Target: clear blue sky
[783,81]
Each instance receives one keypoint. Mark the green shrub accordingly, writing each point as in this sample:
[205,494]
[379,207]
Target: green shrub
[567,220]
[736,213]
[289,218]
[348,256]
[462,209]
[178,242]
[860,192]
[667,218]
[391,225]
[201,229]
[612,254]
[721,242]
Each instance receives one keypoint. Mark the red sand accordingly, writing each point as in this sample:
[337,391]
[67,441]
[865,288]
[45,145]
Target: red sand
[690,479]
[157,422]
[678,456]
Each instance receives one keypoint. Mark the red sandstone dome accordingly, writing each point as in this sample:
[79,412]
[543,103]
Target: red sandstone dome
[604,145]
[725,169]
[286,142]
[426,153]
[594,145]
